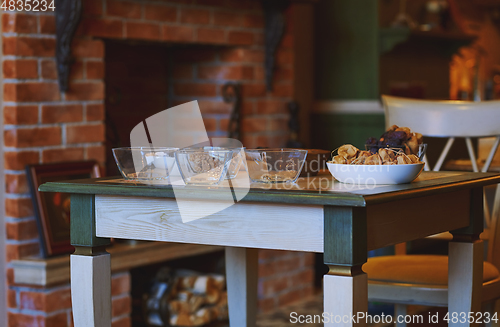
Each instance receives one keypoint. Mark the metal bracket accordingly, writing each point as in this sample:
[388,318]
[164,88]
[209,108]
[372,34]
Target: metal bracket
[274,18]
[68,15]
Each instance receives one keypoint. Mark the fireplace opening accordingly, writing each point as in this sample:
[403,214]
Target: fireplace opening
[143,79]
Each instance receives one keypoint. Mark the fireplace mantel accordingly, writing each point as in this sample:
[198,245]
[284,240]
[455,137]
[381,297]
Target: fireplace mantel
[48,272]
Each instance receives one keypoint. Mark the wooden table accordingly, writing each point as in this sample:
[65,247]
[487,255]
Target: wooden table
[317,215]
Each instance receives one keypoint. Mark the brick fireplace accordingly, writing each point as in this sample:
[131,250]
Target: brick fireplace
[205,43]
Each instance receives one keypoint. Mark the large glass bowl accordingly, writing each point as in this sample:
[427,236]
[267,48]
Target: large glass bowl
[145,163]
[275,165]
[203,166]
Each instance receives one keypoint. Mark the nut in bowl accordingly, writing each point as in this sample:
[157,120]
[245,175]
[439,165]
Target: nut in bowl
[395,158]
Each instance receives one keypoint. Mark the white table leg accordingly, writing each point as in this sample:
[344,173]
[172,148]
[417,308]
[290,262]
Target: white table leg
[343,297]
[465,278]
[241,275]
[91,290]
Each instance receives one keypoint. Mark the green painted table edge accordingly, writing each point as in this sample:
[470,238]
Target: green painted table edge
[452,182]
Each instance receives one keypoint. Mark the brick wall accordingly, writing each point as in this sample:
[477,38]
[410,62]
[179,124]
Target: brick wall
[51,307]
[41,125]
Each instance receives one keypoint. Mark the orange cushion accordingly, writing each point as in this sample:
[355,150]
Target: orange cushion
[416,269]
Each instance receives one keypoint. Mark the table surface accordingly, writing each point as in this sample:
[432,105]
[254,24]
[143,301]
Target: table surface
[319,190]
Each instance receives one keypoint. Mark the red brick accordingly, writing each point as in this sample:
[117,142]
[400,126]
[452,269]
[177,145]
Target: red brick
[225,72]
[121,306]
[11,299]
[18,251]
[248,107]
[253,21]
[18,23]
[287,41]
[177,33]
[284,57]
[59,155]
[226,18]
[18,208]
[120,284]
[283,90]
[252,124]
[211,35]
[305,277]
[49,70]
[97,153]
[143,31]
[20,115]
[21,320]
[95,112]
[290,297]
[20,69]
[210,124]
[122,322]
[254,90]
[88,48]
[92,7]
[250,141]
[279,124]
[30,137]
[214,107]
[95,70]
[47,24]
[31,92]
[283,74]
[19,160]
[195,16]
[267,305]
[85,91]
[191,89]
[270,106]
[123,9]
[57,320]
[103,27]
[76,71]
[241,38]
[243,55]
[10,276]
[85,133]
[29,46]
[20,231]
[182,71]
[224,124]
[62,113]
[274,285]
[16,183]
[160,13]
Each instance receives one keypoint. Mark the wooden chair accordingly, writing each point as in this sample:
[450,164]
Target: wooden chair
[451,120]
[423,279]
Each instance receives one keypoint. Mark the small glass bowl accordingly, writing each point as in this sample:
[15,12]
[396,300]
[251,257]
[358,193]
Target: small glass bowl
[275,165]
[145,163]
[203,166]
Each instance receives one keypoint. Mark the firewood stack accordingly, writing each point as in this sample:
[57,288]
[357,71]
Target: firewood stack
[196,300]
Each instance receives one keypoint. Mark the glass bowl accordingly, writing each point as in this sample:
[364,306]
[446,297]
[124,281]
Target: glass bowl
[275,165]
[203,166]
[145,163]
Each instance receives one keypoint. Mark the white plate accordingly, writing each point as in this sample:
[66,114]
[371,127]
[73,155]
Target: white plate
[375,174]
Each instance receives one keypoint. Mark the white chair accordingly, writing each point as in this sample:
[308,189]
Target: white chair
[423,279]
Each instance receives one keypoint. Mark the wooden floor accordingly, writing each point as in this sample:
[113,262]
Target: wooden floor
[314,306]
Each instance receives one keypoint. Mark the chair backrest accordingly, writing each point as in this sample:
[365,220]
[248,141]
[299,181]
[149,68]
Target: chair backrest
[452,119]
[444,118]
